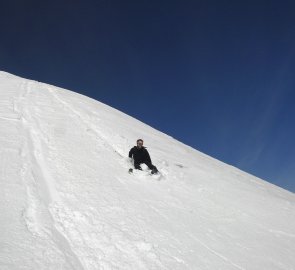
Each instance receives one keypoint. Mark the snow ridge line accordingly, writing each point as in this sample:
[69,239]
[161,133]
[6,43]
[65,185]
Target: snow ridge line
[40,191]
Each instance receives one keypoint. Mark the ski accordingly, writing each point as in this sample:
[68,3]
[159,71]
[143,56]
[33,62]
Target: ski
[156,175]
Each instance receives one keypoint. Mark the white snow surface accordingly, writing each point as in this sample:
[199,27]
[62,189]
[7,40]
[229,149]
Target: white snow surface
[68,202]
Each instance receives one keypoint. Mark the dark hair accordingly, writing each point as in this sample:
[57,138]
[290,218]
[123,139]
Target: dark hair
[139,140]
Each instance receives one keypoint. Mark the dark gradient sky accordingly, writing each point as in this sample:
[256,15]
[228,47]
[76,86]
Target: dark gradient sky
[216,75]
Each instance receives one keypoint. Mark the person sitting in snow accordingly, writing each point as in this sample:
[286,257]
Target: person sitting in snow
[141,155]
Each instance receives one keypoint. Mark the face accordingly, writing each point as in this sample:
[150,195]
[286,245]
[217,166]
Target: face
[139,144]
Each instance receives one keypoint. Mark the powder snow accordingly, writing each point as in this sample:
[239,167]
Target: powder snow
[68,202]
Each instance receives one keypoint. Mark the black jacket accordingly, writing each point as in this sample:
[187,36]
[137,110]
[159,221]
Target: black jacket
[140,155]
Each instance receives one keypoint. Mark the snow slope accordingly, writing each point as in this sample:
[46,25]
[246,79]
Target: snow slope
[68,202]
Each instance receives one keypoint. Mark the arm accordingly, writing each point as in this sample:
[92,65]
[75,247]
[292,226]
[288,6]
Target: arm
[131,152]
[148,156]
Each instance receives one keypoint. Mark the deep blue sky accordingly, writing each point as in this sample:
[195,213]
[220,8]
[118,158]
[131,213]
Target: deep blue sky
[216,75]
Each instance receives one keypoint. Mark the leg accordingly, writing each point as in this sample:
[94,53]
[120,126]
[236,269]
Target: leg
[137,166]
[151,167]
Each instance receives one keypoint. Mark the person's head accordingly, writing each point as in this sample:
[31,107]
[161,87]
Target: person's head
[139,143]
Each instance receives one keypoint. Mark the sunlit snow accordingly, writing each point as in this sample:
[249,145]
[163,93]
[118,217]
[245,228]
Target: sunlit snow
[68,202]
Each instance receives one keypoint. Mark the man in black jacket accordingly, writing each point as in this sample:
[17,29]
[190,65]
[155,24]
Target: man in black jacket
[141,155]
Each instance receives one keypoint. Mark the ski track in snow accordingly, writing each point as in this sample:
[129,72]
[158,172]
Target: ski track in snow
[90,127]
[40,190]
[82,210]
[130,247]
[217,253]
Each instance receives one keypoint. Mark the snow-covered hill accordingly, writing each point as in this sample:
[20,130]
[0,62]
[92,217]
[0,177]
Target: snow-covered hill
[68,202]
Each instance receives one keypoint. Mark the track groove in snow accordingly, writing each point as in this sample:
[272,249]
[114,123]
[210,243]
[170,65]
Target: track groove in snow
[88,125]
[39,183]
[217,253]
